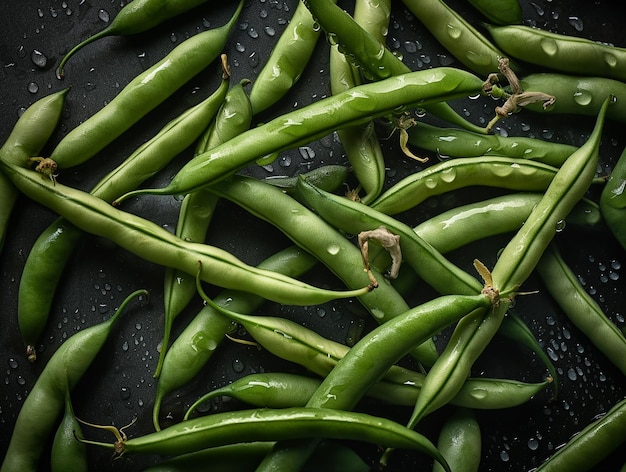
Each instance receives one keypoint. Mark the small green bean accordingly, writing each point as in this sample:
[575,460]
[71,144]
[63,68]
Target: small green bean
[580,308]
[68,453]
[592,444]
[136,17]
[499,12]
[613,201]
[563,53]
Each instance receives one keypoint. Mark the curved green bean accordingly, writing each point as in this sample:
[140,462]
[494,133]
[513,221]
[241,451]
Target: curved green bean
[155,244]
[454,142]
[270,425]
[460,442]
[136,17]
[452,174]
[68,453]
[45,402]
[564,53]
[352,107]
[580,308]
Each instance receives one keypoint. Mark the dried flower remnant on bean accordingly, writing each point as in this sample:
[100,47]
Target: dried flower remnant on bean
[514,100]
[46,167]
[390,242]
[402,123]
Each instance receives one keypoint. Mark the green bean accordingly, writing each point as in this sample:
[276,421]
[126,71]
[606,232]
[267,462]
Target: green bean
[287,60]
[452,174]
[199,340]
[53,248]
[144,93]
[68,453]
[234,117]
[508,12]
[360,143]
[592,444]
[580,308]
[457,35]
[313,234]
[460,442]
[328,177]
[577,95]
[522,253]
[368,52]
[613,202]
[278,390]
[456,142]
[354,106]
[44,404]
[27,138]
[136,17]
[267,424]
[369,358]
[426,261]
[155,244]
[563,53]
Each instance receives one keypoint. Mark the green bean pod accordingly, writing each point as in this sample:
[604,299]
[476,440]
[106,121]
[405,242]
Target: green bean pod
[457,35]
[364,48]
[368,360]
[613,201]
[580,308]
[27,138]
[233,117]
[155,244]
[352,107]
[281,390]
[44,404]
[452,174]
[460,442]
[144,93]
[587,448]
[136,17]
[563,53]
[313,234]
[287,61]
[507,12]
[426,261]
[193,348]
[68,453]
[329,177]
[454,142]
[267,424]
[522,253]
[577,95]
[53,248]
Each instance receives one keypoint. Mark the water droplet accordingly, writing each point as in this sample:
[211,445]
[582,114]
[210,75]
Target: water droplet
[448,175]
[610,59]
[504,456]
[284,161]
[21,380]
[104,15]
[533,444]
[125,346]
[560,226]
[333,249]
[13,363]
[270,31]
[253,33]
[125,393]
[321,312]
[32,87]
[576,23]
[238,365]
[583,97]
[549,46]
[240,47]
[39,58]
[263,13]
[306,152]
[410,46]
[453,31]
[173,37]
[571,374]
[138,326]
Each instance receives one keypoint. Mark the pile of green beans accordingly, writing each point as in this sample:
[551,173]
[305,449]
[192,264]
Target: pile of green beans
[423,258]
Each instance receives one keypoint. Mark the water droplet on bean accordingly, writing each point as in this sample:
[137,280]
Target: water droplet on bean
[549,46]
[583,97]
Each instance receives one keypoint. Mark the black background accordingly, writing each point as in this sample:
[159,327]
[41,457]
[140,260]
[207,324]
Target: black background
[119,386]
